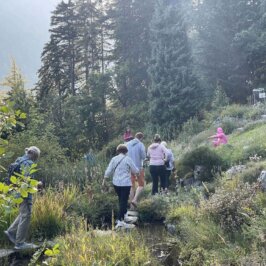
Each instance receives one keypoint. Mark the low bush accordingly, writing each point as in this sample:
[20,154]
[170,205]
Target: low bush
[252,172]
[153,209]
[232,208]
[176,214]
[235,110]
[82,248]
[97,208]
[203,156]
[192,127]
[49,213]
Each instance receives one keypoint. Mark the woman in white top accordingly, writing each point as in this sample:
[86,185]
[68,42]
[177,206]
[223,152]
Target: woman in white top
[121,167]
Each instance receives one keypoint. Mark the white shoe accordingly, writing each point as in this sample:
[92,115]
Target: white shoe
[118,224]
[131,219]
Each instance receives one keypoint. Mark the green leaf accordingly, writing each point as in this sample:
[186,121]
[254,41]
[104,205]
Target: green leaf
[56,246]
[2,150]
[33,171]
[56,251]
[23,115]
[23,193]
[32,190]
[34,182]
[49,253]
[13,179]
[18,200]
[4,109]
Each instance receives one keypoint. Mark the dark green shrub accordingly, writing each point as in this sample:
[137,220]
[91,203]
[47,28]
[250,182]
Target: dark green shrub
[229,125]
[97,209]
[110,149]
[203,156]
[153,209]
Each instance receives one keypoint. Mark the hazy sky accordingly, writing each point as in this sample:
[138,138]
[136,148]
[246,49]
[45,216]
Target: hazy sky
[24,28]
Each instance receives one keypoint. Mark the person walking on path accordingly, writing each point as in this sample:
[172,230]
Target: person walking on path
[120,168]
[127,135]
[136,151]
[157,154]
[169,165]
[219,138]
[18,230]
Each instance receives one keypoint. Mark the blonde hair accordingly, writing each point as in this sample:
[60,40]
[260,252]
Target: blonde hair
[164,143]
[33,153]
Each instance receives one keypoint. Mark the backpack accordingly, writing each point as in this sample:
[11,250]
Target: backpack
[13,169]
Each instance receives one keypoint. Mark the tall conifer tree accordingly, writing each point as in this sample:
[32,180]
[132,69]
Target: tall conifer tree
[174,94]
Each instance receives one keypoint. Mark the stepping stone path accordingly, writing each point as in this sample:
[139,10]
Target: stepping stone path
[131,217]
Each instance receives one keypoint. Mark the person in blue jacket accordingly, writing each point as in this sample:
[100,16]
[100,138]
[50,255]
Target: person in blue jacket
[18,230]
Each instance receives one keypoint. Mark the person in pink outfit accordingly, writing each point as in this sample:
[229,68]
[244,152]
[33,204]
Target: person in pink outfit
[219,138]
[127,135]
[157,155]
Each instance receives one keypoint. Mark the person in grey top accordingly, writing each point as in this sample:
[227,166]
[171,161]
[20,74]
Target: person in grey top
[120,168]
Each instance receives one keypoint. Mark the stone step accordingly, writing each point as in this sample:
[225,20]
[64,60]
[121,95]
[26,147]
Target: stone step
[132,213]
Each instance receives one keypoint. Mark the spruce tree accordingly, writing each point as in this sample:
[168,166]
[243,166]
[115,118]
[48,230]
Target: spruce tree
[175,94]
[131,19]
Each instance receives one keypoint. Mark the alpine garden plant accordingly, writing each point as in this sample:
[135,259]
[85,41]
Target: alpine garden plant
[83,248]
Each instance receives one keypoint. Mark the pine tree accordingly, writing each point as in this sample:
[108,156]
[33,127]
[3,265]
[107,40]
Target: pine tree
[17,93]
[132,49]
[174,94]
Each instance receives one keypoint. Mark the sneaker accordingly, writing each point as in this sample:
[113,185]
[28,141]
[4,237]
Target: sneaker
[24,245]
[118,224]
[131,219]
[10,237]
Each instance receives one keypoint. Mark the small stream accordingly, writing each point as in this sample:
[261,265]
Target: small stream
[155,236]
[159,241]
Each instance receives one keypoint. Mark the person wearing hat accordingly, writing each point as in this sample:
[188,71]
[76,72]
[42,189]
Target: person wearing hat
[157,154]
[120,168]
[18,230]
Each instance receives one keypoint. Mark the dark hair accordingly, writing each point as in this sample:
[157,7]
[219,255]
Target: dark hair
[122,148]
[157,138]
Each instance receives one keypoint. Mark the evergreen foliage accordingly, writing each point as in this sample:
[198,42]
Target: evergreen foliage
[132,49]
[174,92]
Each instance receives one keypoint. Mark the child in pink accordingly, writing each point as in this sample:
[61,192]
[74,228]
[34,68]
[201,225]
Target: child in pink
[127,135]
[219,138]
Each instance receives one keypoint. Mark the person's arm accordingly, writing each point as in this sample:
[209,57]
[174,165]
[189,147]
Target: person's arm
[143,152]
[109,169]
[133,168]
[212,137]
[166,153]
